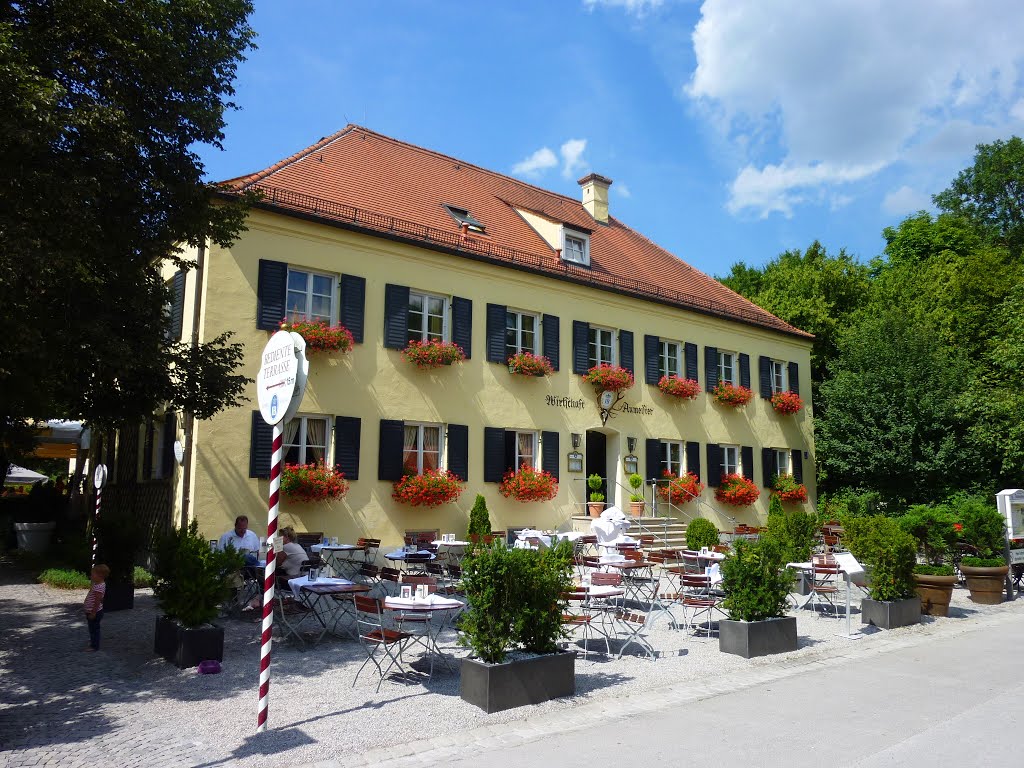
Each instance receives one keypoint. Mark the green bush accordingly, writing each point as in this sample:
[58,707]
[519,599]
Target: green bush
[932,528]
[64,579]
[791,530]
[934,570]
[755,581]
[594,482]
[892,552]
[515,598]
[983,527]
[983,562]
[479,519]
[701,532]
[190,579]
[141,578]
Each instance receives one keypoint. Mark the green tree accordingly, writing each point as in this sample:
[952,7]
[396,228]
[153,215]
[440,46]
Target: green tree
[101,107]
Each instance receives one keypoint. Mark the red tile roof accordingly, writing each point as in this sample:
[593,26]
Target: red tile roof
[360,179]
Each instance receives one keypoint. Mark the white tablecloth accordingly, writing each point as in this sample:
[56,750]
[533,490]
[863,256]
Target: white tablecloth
[436,602]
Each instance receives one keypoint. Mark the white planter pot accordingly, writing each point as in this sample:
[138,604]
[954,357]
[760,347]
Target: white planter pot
[34,537]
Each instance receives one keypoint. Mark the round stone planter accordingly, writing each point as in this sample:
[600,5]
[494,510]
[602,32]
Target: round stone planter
[595,507]
[34,537]
[986,584]
[935,593]
[636,508]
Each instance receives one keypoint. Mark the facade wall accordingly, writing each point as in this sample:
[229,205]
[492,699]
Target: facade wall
[374,383]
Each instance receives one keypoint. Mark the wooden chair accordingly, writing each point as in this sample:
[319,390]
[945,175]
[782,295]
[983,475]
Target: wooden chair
[378,639]
[824,584]
[369,547]
[699,599]
[577,618]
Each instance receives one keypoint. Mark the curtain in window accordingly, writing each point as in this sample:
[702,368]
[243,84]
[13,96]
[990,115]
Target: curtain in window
[316,440]
[526,456]
[292,449]
[431,448]
[410,460]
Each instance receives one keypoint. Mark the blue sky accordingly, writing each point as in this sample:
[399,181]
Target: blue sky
[733,129]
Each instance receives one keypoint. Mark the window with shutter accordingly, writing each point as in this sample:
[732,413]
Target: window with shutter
[521,333]
[458,450]
[261,446]
[580,347]
[272,283]
[626,350]
[711,372]
[600,346]
[549,455]
[496,331]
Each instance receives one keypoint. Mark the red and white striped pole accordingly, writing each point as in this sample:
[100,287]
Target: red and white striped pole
[268,583]
[95,524]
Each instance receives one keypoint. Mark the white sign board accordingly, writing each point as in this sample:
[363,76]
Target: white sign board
[301,373]
[1010,503]
[275,382]
[1017,557]
[99,477]
[179,451]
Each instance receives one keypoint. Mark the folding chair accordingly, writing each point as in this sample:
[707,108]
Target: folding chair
[454,586]
[415,562]
[289,613]
[581,620]
[368,575]
[636,625]
[377,638]
[369,548]
[699,599]
[824,586]
[389,578]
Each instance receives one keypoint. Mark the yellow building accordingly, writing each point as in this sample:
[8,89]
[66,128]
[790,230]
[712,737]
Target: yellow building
[398,243]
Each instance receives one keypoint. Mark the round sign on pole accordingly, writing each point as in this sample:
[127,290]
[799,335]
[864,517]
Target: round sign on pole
[99,477]
[179,451]
[301,374]
[275,382]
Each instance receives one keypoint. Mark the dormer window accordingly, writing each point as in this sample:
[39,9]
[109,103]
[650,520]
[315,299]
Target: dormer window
[462,216]
[575,247]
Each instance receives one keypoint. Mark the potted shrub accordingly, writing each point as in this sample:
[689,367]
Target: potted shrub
[787,402]
[892,553]
[313,482]
[701,533]
[596,505]
[636,498]
[529,364]
[677,386]
[680,489]
[431,489]
[737,491]
[756,586]
[119,537]
[609,378]
[731,394]
[934,530]
[190,583]
[427,355]
[479,520]
[788,490]
[984,529]
[528,484]
[515,599]
[321,337]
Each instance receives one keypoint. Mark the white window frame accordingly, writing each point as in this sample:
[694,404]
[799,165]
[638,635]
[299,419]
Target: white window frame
[733,365]
[783,461]
[613,346]
[732,457]
[667,461]
[534,438]
[520,314]
[420,426]
[778,375]
[664,354]
[445,311]
[302,437]
[310,273]
[583,238]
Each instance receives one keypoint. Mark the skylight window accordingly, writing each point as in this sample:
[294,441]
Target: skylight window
[575,247]
[462,216]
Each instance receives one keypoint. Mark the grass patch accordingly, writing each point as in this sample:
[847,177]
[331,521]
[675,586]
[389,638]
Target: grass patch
[64,579]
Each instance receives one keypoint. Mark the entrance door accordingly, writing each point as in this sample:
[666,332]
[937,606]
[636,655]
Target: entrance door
[597,460]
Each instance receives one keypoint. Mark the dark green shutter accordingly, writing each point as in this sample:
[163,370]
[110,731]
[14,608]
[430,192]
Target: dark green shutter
[768,466]
[458,450]
[652,348]
[177,304]
[396,316]
[494,454]
[714,465]
[261,445]
[271,287]
[580,351]
[551,339]
[794,378]
[653,457]
[462,324]
[747,460]
[496,323]
[690,353]
[764,373]
[693,458]
[390,450]
[353,305]
[797,460]
[626,350]
[167,460]
[710,372]
[744,370]
[549,456]
[347,431]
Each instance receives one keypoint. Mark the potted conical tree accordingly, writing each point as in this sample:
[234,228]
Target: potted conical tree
[933,528]
[636,498]
[984,528]
[596,504]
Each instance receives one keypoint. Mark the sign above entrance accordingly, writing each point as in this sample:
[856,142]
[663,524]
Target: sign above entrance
[277,377]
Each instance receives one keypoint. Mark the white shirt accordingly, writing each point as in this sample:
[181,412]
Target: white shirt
[249,542]
[295,556]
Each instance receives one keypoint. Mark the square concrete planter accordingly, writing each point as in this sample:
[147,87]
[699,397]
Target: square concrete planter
[185,647]
[757,638]
[885,615]
[494,687]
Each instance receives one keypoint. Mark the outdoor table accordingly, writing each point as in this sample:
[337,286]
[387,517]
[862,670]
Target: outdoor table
[446,607]
[455,550]
[399,556]
[848,566]
[524,536]
[321,597]
[637,578]
[338,557]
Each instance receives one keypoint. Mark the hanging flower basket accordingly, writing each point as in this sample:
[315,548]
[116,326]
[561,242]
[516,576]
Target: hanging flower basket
[433,354]
[732,395]
[737,491]
[676,386]
[528,484]
[679,490]
[313,482]
[609,378]
[321,337]
[431,489]
[789,490]
[787,402]
[529,364]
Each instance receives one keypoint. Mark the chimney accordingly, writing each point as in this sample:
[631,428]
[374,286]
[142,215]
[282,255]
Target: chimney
[595,196]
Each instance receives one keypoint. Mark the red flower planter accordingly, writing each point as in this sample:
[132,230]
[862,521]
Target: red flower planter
[732,395]
[321,337]
[787,402]
[609,378]
[528,484]
[431,489]
[313,482]
[680,490]
[677,386]
[433,354]
[737,491]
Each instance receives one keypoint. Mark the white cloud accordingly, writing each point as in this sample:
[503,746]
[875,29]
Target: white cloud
[621,189]
[905,200]
[813,95]
[572,156]
[634,7]
[536,163]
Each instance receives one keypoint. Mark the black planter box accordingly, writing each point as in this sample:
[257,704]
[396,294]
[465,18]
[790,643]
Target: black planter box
[884,615]
[494,687]
[120,596]
[757,638]
[187,647]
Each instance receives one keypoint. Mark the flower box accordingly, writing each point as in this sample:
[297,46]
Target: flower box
[426,355]
[529,364]
[431,489]
[609,378]
[676,386]
[313,482]
[789,490]
[528,484]
[737,491]
[732,395]
[321,337]
[679,490]
[787,402]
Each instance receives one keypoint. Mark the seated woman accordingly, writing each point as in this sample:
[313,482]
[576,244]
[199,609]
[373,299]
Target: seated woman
[292,555]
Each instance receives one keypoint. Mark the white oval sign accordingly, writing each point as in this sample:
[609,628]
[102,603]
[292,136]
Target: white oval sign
[301,374]
[179,451]
[275,382]
[99,477]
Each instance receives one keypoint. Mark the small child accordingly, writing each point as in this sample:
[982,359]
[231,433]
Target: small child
[94,604]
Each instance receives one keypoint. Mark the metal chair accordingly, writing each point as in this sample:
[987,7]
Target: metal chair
[824,584]
[699,599]
[581,620]
[378,639]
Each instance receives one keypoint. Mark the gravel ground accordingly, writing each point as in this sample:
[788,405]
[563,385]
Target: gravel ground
[123,707]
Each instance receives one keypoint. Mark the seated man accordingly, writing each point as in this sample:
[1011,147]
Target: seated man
[243,540]
[292,555]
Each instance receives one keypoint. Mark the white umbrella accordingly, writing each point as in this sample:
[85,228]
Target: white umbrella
[19,476]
